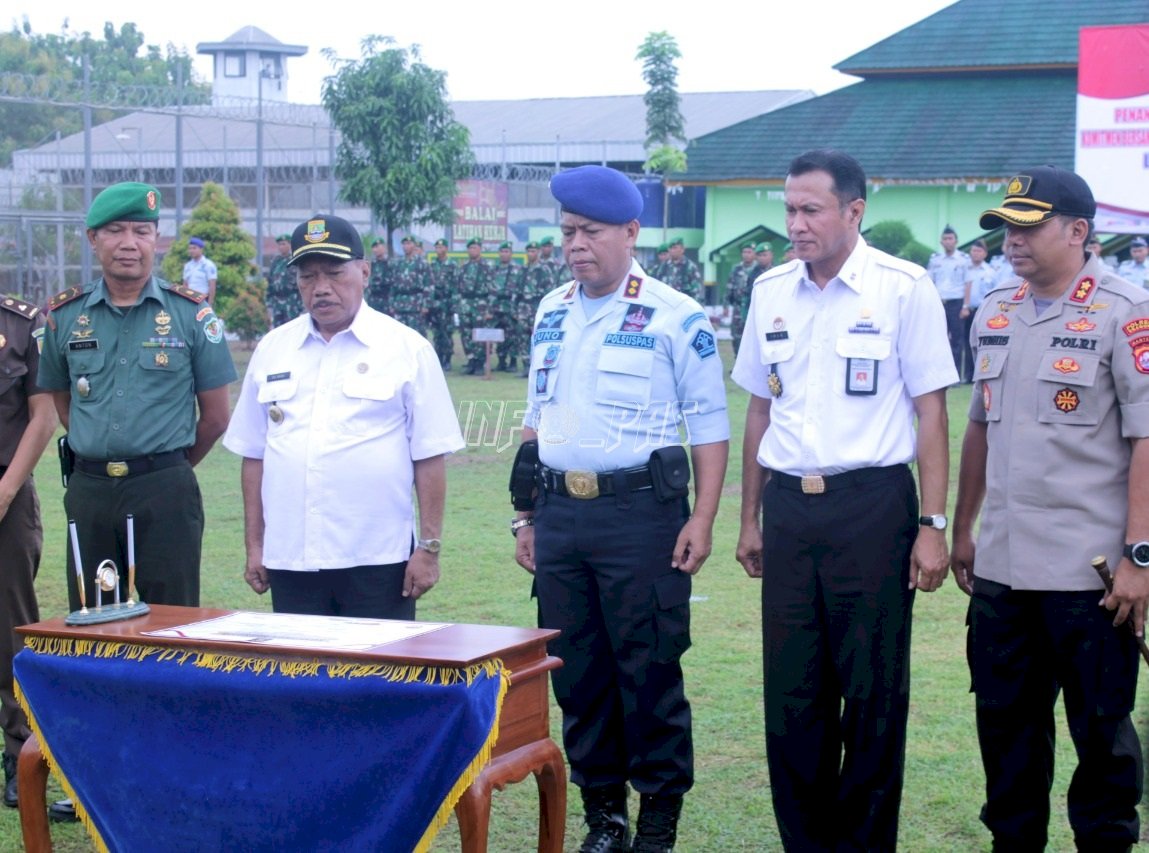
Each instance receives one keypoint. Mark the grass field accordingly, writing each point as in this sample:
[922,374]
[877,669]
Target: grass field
[729,808]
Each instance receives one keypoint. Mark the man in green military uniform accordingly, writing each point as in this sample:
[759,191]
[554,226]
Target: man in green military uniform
[508,284]
[410,291]
[283,302]
[538,281]
[379,284]
[559,270]
[130,359]
[661,259]
[681,273]
[444,281]
[476,294]
[738,293]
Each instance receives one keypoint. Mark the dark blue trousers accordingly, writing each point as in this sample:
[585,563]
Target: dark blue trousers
[604,579]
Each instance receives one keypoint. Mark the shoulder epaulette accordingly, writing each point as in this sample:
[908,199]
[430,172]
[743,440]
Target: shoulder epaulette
[19,306]
[187,293]
[64,297]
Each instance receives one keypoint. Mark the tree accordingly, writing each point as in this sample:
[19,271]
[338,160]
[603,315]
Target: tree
[240,290]
[401,150]
[664,122]
[55,62]
[896,238]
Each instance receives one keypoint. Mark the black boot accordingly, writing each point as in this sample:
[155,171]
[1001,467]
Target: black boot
[657,827]
[526,371]
[472,367]
[608,829]
[11,800]
[502,364]
[512,364]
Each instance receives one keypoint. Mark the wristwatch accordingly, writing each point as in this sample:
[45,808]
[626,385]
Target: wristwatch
[1138,552]
[431,546]
[518,524]
[937,522]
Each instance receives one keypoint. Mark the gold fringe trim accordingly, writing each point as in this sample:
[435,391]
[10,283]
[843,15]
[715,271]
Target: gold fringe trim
[217,662]
[266,666]
[54,769]
[471,773]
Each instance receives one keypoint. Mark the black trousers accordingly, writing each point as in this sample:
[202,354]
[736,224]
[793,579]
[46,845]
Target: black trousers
[368,592]
[603,577]
[168,514]
[836,654]
[955,327]
[1024,648]
[21,541]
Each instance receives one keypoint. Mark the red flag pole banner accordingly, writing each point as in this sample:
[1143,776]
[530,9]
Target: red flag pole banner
[1113,124]
[251,752]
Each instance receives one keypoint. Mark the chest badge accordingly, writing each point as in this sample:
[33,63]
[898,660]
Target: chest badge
[998,322]
[1066,400]
[275,413]
[83,386]
[1081,325]
[1066,365]
[83,320]
[161,359]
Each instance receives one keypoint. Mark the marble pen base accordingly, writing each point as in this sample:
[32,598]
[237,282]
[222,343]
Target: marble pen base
[106,613]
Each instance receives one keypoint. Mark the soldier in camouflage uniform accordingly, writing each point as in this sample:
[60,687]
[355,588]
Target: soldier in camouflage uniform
[738,294]
[538,281]
[681,273]
[410,288]
[379,284]
[559,270]
[476,294]
[444,287]
[508,279]
[283,300]
[661,258]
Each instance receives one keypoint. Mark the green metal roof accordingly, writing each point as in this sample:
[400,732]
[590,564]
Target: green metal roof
[941,129]
[983,34]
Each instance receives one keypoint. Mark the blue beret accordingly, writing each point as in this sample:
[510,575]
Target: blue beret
[195,241]
[598,193]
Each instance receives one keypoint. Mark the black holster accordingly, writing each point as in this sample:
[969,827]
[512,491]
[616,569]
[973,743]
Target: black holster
[524,476]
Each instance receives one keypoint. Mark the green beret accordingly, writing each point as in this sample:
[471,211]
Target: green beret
[407,238]
[547,241]
[474,241]
[532,245]
[375,241]
[763,247]
[677,241]
[283,238]
[127,202]
[747,246]
[441,242]
[663,247]
[506,244]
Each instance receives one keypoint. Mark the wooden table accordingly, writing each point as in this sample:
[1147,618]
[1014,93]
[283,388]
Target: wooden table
[524,745]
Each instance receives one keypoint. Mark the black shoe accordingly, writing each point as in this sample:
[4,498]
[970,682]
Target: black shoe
[502,364]
[609,828]
[471,368]
[62,811]
[657,828]
[511,366]
[11,799]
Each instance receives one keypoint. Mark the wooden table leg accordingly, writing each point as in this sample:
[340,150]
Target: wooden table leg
[545,761]
[32,782]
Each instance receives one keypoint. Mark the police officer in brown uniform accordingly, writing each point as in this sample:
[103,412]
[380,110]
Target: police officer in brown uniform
[1056,449]
[27,420]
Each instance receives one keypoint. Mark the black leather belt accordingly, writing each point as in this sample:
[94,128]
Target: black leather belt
[816,484]
[589,484]
[131,467]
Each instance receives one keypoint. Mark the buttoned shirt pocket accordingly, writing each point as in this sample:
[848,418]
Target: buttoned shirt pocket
[159,366]
[776,352]
[988,371]
[624,377]
[280,394]
[1065,389]
[862,356]
[87,365]
[369,399]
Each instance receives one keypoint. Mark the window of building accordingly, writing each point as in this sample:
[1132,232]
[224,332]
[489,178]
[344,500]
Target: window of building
[234,65]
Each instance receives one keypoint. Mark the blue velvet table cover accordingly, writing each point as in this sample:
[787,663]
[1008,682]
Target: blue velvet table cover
[166,749]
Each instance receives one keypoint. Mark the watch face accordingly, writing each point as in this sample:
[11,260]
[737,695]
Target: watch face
[430,545]
[1141,553]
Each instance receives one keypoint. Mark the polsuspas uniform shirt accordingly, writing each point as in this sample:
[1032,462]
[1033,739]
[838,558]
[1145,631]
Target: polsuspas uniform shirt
[1061,395]
[848,361]
[338,424]
[606,391]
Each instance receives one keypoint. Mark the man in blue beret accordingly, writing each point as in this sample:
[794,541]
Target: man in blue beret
[617,360]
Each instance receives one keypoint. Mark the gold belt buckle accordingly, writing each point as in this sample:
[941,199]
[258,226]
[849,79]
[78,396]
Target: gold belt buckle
[117,469]
[581,484]
[813,484]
